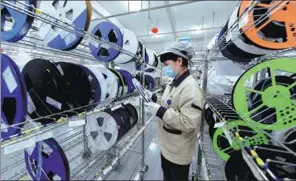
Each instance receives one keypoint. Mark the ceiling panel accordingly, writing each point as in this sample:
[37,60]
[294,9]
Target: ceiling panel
[114,7]
[139,22]
[157,38]
[192,19]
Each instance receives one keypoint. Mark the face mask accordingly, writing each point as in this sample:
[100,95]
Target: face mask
[169,71]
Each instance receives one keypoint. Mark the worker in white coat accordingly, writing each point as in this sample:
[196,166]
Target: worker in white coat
[179,111]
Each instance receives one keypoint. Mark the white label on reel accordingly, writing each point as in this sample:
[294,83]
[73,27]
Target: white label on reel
[70,38]
[114,162]
[90,78]
[105,45]
[9,79]
[54,103]
[4,127]
[214,116]
[244,20]
[115,107]
[31,105]
[60,69]
[107,170]
[19,145]
[227,135]
[77,123]
[44,136]
[218,125]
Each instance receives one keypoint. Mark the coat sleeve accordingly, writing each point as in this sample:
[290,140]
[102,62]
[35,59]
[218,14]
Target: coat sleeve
[188,117]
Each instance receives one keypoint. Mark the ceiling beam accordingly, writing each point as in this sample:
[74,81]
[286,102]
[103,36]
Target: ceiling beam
[171,20]
[149,9]
[184,31]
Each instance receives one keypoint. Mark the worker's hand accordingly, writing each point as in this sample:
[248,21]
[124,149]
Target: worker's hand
[152,107]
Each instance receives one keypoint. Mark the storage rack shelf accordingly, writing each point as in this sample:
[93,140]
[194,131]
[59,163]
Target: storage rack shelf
[73,141]
[213,164]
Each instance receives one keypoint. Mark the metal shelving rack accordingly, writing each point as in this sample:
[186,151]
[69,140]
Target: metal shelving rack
[209,165]
[73,141]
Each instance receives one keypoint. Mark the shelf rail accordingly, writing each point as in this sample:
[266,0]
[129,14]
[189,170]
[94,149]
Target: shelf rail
[256,163]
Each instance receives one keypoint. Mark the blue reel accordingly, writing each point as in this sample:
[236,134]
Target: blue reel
[21,23]
[13,97]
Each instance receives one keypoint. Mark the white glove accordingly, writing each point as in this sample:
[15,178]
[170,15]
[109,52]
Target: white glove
[152,107]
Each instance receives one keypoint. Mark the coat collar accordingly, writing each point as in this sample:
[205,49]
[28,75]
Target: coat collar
[178,81]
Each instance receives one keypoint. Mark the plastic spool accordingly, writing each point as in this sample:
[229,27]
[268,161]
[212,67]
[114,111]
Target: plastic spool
[77,14]
[256,99]
[277,97]
[13,98]
[130,44]
[231,51]
[240,41]
[125,118]
[127,80]
[153,60]
[235,172]
[109,32]
[101,80]
[21,23]
[103,129]
[149,81]
[77,87]
[46,88]
[284,136]
[110,79]
[132,111]
[251,134]
[95,87]
[141,90]
[55,165]
[277,30]
[122,89]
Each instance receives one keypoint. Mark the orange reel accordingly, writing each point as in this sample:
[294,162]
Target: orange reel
[277,30]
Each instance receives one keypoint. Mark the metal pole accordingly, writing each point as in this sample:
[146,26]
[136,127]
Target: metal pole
[205,77]
[201,131]
[142,112]
[86,151]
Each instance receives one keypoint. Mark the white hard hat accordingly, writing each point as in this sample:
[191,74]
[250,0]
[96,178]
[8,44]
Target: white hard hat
[182,49]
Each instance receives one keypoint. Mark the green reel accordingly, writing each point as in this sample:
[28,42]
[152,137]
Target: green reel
[276,96]
[251,134]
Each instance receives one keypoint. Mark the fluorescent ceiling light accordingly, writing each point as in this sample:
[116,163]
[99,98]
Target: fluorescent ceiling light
[135,5]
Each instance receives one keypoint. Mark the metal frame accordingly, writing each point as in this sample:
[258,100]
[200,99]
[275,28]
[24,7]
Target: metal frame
[203,150]
[40,132]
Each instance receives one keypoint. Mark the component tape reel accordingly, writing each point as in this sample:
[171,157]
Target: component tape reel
[77,14]
[276,31]
[13,97]
[130,44]
[109,32]
[101,80]
[95,87]
[278,96]
[77,87]
[46,88]
[110,79]
[54,163]
[128,80]
[240,41]
[21,22]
